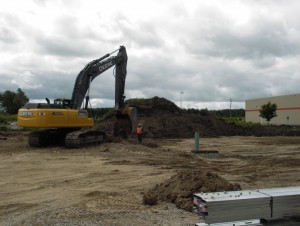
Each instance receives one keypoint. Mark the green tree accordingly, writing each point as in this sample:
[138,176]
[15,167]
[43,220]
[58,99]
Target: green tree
[11,102]
[268,111]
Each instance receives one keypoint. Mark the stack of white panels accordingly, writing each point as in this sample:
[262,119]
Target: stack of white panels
[234,223]
[254,223]
[234,206]
[285,201]
[269,204]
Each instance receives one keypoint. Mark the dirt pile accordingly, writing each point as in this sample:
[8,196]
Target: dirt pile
[161,118]
[180,188]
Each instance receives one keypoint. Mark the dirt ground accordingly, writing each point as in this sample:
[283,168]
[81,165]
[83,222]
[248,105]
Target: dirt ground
[107,184]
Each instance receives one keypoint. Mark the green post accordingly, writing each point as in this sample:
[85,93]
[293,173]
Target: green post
[196,141]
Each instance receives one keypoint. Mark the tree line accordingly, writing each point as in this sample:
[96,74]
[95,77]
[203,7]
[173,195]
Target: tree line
[218,113]
[11,102]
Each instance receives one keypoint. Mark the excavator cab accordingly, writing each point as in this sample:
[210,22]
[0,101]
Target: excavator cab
[65,103]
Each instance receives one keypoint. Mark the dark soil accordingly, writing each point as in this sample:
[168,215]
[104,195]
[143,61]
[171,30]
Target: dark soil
[180,188]
[161,118]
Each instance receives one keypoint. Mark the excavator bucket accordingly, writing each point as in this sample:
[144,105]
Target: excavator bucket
[126,122]
[132,114]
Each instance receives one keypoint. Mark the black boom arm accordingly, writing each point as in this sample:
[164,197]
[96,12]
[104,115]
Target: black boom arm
[97,67]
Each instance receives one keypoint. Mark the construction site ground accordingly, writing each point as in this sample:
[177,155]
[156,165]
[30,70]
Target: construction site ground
[126,183]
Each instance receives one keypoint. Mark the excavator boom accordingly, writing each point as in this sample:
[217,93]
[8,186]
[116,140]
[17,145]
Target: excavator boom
[95,68]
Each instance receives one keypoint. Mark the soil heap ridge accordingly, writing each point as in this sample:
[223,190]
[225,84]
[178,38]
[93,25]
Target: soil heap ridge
[162,118]
[180,188]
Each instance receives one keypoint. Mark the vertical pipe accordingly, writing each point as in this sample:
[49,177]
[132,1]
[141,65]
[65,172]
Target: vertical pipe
[196,141]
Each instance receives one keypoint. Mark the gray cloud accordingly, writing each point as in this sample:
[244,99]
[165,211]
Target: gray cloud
[260,37]
[8,36]
[210,53]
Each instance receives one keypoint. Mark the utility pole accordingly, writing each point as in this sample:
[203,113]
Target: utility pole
[180,99]
[180,122]
[230,108]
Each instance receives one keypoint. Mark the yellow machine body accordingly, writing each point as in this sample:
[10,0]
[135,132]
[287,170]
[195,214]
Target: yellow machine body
[54,118]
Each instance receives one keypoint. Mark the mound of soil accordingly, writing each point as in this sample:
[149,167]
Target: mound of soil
[180,188]
[161,118]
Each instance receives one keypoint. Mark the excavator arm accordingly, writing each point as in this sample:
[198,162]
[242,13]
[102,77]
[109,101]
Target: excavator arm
[94,69]
[126,116]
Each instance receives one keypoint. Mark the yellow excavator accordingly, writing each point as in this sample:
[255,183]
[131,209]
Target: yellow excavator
[66,121]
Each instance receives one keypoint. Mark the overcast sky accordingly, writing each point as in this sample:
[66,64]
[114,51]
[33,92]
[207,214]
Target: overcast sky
[203,52]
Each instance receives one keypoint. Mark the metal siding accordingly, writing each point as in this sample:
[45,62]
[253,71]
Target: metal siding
[288,110]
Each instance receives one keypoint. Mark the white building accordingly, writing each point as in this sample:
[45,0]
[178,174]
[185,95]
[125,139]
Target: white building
[288,110]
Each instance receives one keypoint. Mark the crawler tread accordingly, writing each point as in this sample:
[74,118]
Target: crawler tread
[65,137]
[79,139]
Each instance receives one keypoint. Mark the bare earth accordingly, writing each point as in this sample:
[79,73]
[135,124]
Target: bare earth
[104,185]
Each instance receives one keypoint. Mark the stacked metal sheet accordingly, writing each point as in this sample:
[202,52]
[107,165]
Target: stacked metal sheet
[254,223]
[238,206]
[234,223]
[234,206]
[285,201]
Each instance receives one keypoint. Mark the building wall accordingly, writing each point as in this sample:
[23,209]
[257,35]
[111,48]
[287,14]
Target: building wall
[288,110]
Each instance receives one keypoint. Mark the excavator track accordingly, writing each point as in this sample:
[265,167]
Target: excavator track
[65,137]
[79,139]
[48,137]
[37,139]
